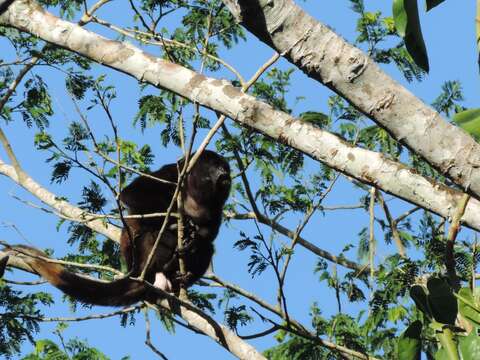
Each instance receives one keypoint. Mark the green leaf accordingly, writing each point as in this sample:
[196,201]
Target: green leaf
[468,307]
[396,313]
[400,17]
[442,354]
[441,301]
[470,347]
[410,342]
[432,3]
[419,296]
[407,22]
[314,117]
[469,120]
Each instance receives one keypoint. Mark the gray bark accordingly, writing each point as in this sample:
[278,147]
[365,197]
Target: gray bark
[4,4]
[367,166]
[324,56]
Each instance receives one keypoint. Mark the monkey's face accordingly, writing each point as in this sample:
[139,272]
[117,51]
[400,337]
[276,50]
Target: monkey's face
[209,181]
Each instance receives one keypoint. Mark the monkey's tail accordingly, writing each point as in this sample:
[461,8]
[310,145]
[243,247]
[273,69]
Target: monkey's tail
[119,292]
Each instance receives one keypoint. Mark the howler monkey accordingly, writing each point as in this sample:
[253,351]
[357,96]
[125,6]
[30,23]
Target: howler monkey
[206,188]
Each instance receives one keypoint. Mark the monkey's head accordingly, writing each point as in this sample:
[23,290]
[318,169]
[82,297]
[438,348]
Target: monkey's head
[209,181]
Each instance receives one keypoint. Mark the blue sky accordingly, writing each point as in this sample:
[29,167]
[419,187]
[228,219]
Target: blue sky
[449,34]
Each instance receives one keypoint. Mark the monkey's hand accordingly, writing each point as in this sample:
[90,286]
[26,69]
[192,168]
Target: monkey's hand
[184,279]
[186,248]
[162,282]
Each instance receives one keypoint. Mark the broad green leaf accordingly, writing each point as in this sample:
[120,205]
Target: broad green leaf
[432,3]
[407,22]
[465,307]
[400,17]
[410,342]
[442,355]
[447,340]
[441,301]
[469,120]
[470,347]
[419,296]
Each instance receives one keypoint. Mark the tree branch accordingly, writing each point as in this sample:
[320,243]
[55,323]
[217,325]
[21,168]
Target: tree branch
[366,166]
[4,4]
[73,319]
[349,72]
[393,225]
[61,206]
[340,260]
[192,315]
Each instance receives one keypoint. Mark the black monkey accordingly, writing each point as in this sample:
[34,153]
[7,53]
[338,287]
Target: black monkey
[205,191]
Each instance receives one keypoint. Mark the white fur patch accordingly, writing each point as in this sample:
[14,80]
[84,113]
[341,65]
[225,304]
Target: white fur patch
[162,282]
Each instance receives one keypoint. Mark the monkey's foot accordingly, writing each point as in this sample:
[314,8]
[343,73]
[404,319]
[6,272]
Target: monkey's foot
[162,282]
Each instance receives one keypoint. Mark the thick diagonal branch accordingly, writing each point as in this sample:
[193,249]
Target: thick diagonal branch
[367,166]
[325,56]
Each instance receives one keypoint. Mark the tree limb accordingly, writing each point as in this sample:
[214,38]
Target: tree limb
[366,166]
[192,315]
[326,57]
[61,206]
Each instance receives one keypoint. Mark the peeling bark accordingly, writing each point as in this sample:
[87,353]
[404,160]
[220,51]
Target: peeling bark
[366,166]
[325,56]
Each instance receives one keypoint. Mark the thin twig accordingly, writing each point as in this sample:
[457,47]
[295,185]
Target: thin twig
[132,170]
[165,43]
[73,319]
[140,16]
[325,343]
[260,71]
[11,89]
[371,242]
[304,223]
[407,214]
[340,260]
[148,340]
[474,263]
[342,207]
[28,283]
[251,296]
[393,225]
[115,136]
[246,183]
[221,118]
[87,16]
[260,334]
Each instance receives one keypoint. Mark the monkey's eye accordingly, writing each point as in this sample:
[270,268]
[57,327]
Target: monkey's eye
[224,180]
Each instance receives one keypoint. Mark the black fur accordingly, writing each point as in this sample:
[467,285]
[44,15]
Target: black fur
[205,191]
